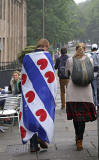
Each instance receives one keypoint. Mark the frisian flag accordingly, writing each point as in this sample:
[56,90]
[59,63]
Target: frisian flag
[38,96]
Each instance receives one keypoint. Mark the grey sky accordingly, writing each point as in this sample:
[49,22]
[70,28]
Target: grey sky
[79,1]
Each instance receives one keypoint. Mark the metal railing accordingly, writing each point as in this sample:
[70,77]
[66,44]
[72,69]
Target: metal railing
[10,66]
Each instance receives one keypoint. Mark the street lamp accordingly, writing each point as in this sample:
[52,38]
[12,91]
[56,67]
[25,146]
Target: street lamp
[43,18]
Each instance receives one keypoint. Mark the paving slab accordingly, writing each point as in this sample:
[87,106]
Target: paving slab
[63,146]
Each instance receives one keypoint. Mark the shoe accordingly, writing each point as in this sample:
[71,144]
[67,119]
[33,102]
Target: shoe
[34,144]
[42,143]
[79,145]
[34,149]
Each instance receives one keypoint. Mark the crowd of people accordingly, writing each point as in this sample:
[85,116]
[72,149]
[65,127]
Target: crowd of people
[81,101]
[37,83]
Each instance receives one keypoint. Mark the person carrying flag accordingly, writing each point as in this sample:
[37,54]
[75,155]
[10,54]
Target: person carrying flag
[38,97]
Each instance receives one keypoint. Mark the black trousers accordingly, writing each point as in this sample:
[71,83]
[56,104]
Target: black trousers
[79,129]
[33,141]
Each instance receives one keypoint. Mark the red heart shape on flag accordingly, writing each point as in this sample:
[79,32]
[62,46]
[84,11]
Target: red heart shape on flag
[20,116]
[50,76]
[24,78]
[23,132]
[30,96]
[43,63]
[42,114]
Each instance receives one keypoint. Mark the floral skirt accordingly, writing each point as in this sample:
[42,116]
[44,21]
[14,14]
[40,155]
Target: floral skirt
[81,111]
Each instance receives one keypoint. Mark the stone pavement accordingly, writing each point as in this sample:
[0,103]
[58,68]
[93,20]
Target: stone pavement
[63,146]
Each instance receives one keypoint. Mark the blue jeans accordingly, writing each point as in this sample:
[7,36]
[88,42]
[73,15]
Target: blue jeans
[98,96]
[94,88]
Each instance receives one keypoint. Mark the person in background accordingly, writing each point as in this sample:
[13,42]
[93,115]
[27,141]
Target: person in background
[95,56]
[15,83]
[98,90]
[57,55]
[79,100]
[63,80]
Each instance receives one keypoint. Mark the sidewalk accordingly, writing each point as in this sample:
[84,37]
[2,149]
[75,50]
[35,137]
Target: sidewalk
[63,146]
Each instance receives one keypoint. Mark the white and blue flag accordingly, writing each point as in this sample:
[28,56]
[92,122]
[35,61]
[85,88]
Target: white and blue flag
[38,96]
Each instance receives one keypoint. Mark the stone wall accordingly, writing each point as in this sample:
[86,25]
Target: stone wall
[12,29]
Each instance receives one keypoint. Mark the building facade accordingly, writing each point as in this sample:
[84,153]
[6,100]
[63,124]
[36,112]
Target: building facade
[12,29]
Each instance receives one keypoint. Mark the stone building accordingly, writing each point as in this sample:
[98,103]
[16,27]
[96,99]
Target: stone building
[12,29]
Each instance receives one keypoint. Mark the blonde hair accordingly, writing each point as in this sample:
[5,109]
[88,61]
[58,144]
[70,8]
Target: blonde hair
[16,72]
[43,43]
[80,50]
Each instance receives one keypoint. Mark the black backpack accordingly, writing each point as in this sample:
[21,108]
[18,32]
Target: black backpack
[62,66]
[83,72]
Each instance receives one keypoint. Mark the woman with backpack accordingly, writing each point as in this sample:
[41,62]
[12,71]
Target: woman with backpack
[79,98]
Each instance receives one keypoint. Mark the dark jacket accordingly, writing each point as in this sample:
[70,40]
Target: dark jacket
[18,90]
[62,58]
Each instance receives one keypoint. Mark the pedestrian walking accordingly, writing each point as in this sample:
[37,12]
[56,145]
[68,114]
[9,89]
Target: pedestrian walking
[63,80]
[38,97]
[79,99]
[95,56]
[98,90]
[56,55]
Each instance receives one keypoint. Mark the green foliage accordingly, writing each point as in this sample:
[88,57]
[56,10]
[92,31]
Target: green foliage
[27,50]
[90,22]
[64,21]
[61,21]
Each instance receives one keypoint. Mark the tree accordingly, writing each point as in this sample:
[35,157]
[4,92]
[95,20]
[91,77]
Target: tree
[61,21]
[90,12]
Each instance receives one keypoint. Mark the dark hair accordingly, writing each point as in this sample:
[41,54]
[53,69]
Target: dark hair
[63,50]
[94,49]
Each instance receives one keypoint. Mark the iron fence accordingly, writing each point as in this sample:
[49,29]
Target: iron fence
[10,66]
